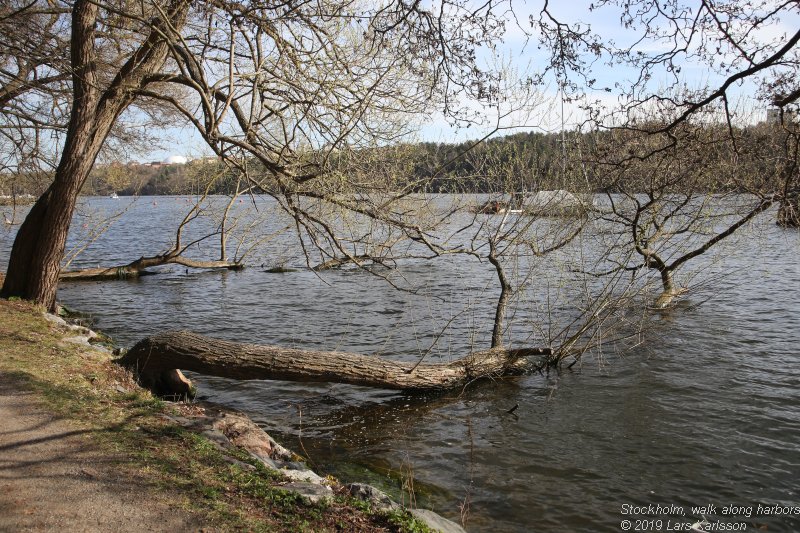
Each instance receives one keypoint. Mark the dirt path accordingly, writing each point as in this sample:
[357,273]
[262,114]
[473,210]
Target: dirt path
[53,478]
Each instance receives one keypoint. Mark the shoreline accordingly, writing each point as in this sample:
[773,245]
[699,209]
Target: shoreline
[239,443]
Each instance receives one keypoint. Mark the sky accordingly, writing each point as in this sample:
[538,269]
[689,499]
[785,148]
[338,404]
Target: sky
[548,110]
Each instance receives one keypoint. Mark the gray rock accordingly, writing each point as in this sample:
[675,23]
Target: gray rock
[278,451]
[83,341]
[216,437]
[295,465]
[436,522]
[266,461]
[56,319]
[302,476]
[313,492]
[377,499]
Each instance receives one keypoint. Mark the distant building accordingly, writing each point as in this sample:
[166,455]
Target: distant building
[176,160]
[774,115]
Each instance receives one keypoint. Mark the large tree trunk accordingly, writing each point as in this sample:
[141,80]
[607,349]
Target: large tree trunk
[35,262]
[155,359]
[668,290]
[38,248]
[16,280]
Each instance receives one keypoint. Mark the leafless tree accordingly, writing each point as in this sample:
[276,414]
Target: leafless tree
[287,84]
[748,49]
[672,205]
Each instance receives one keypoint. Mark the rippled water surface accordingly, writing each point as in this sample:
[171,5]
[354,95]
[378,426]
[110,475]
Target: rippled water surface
[706,412]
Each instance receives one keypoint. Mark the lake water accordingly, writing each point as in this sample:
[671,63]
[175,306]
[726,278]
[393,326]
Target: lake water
[705,412]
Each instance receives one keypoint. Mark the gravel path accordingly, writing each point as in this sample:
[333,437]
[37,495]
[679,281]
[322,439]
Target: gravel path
[53,478]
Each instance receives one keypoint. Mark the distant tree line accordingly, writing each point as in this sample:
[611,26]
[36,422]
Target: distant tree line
[540,161]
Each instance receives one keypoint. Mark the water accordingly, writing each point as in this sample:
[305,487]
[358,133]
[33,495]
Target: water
[705,412]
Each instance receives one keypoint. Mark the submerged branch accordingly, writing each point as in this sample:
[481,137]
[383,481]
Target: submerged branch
[337,262]
[139,268]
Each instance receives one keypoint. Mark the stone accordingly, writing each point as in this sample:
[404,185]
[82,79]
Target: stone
[242,432]
[266,461]
[313,492]
[56,320]
[436,522]
[216,438]
[377,499]
[302,476]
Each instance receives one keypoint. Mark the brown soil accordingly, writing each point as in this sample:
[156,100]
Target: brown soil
[53,478]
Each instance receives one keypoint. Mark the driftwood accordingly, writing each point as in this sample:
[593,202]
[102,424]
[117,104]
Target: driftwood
[155,359]
[139,268]
[337,262]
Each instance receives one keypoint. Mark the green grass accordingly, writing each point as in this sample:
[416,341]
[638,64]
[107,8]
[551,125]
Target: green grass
[85,386]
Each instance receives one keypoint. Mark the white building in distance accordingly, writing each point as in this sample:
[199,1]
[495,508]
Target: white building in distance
[175,160]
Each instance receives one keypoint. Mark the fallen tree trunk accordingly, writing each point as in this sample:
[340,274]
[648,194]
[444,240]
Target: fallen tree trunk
[139,268]
[155,360]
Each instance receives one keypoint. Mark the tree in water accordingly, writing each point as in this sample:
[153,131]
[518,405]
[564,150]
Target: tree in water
[282,85]
[670,199]
[748,70]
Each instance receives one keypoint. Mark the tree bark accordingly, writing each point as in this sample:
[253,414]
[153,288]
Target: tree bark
[668,290]
[502,300]
[36,255]
[789,211]
[156,357]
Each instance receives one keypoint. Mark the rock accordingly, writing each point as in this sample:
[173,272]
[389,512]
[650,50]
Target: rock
[266,461]
[295,465]
[242,432]
[56,320]
[436,522]
[217,438]
[378,500]
[313,492]
[225,428]
[301,476]
[83,341]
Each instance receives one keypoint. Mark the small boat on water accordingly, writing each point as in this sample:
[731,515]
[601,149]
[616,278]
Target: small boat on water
[114,196]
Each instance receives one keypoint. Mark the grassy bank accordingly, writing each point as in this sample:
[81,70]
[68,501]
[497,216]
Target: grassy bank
[81,384]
